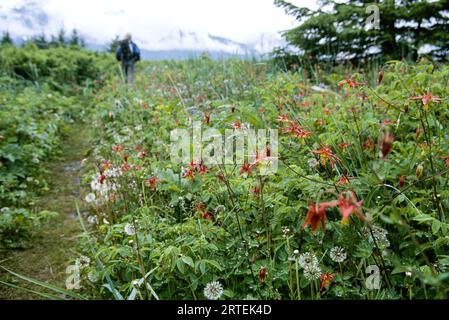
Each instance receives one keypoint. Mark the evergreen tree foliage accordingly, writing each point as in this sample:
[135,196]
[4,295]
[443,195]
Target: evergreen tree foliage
[347,29]
[6,38]
[114,44]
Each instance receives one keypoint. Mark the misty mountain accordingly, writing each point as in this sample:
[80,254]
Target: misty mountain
[29,18]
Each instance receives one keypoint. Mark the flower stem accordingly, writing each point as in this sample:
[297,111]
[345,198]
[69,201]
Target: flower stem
[298,289]
[264,216]
[435,181]
[290,270]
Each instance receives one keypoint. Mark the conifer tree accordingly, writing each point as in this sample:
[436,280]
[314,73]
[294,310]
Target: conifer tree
[349,29]
[75,39]
[6,38]
[114,44]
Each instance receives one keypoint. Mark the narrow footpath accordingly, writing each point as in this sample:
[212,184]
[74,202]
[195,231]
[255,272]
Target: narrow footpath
[56,242]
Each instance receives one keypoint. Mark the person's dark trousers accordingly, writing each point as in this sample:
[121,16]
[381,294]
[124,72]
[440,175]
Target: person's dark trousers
[128,71]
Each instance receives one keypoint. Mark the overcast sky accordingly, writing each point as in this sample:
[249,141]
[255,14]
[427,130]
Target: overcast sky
[239,20]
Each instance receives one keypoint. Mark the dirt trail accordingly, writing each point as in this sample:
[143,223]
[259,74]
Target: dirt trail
[56,242]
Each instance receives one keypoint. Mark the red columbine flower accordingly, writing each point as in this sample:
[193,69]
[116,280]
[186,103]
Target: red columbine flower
[426,98]
[207,117]
[152,182]
[193,166]
[344,145]
[126,157]
[326,278]
[362,96]
[125,167]
[292,128]
[343,180]
[142,154]
[350,83]
[199,206]
[305,104]
[387,122]
[317,214]
[347,203]
[262,156]
[401,182]
[106,164]
[327,111]
[207,215]
[419,170]
[418,132]
[118,148]
[203,169]
[246,168]
[237,125]
[189,174]
[381,76]
[386,144]
[368,144]
[102,178]
[283,118]
[447,160]
[302,134]
[263,273]
[326,154]
[255,191]
[221,177]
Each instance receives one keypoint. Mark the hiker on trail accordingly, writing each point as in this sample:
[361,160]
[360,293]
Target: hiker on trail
[128,53]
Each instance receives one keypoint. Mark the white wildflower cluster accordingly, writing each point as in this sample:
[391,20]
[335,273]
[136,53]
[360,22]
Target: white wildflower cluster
[133,184]
[96,185]
[312,273]
[92,276]
[92,220]
[313,163]
[118,139]
[129,229]
[220,208]
[380,235]
[285,231]
[338,254]
[90,198]
[138,100]
[213,290]
[112,173]
[101,191]
[83,262]
[309,262]
[181,202]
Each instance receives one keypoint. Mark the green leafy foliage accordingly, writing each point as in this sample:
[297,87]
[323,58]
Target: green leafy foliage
[384,162]
[41,94]
[61,68]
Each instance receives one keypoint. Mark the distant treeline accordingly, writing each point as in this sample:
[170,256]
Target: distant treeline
[54,41]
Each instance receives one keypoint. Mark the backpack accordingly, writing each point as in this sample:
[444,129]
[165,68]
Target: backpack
[127,55]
